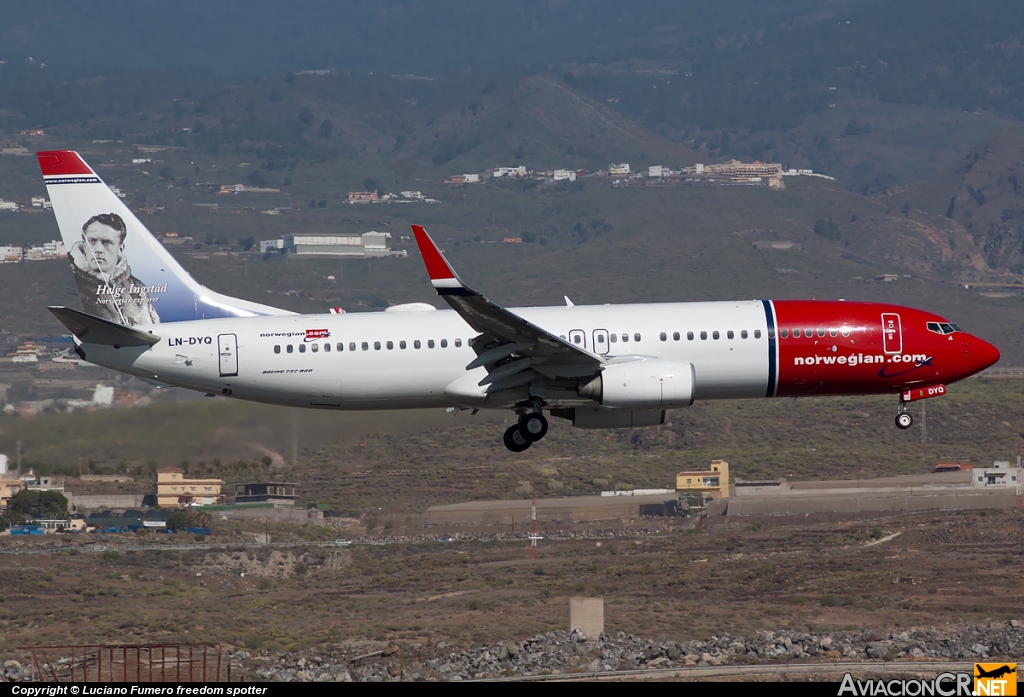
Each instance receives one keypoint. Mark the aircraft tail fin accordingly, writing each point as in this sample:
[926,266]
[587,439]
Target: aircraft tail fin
[124,274]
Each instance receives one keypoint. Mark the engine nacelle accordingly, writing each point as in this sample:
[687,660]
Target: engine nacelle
[643,383]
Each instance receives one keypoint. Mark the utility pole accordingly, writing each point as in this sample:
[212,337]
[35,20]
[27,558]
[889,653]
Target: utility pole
[533,528]
[1020,486]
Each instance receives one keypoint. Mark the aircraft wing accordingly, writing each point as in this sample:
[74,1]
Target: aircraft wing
[504,334]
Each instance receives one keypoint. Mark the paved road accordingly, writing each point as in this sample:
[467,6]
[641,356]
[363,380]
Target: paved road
[860,671]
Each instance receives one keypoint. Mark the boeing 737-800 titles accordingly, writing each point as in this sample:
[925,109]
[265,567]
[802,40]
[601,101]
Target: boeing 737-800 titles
[601,366]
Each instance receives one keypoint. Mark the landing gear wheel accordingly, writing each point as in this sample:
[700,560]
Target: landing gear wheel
[904,420]
[533,427]
[514,439]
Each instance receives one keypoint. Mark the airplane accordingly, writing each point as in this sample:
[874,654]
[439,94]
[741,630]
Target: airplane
[597,366]
[994,673]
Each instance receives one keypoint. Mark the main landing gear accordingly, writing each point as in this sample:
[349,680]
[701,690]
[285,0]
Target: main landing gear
[531,428]
[903,418]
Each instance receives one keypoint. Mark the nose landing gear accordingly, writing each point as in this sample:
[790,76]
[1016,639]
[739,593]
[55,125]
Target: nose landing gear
[903,418]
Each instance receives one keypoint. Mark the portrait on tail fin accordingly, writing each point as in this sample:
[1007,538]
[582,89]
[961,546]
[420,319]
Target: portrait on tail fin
[104,278]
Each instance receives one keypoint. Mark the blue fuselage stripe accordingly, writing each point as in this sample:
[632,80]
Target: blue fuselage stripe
[769,315]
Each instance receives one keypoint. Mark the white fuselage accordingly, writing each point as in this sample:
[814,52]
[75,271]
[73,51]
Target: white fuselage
[357,361]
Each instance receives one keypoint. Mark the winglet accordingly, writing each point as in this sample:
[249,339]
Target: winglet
[442,275]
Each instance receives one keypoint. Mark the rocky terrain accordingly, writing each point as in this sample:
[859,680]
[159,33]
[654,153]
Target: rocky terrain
[559,652]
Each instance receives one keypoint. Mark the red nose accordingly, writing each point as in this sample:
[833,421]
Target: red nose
[981,354]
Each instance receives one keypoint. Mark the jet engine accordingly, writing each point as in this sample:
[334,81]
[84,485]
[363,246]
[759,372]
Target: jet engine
[642,383]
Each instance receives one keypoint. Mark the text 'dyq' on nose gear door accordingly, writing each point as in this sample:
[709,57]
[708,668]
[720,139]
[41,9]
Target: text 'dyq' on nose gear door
[227,350]
[892,333]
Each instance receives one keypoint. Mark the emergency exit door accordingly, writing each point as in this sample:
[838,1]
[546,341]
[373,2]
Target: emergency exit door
[227,349]
[892,333]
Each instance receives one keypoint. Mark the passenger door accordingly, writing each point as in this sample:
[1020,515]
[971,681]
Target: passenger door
[601,345]
[892,333]
[227,349]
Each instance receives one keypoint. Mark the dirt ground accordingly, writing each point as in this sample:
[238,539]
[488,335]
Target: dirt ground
[658,580]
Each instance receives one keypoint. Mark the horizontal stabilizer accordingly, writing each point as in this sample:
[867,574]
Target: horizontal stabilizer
[96,330]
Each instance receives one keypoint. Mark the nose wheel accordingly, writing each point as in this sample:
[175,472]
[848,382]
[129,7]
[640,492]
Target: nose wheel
[903,418]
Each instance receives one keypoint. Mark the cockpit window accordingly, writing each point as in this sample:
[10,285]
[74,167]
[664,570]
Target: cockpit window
[942,327]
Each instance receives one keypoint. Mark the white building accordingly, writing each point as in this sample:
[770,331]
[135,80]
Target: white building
[8,205]
[618,170]
[54,249]
[656,171]
[103,395]
[11,255]
[325,245]
[375,243]
[507,172]
[1000,474]
[117,192]
[271,246]
[562,174]
[416,195]
[141,160]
